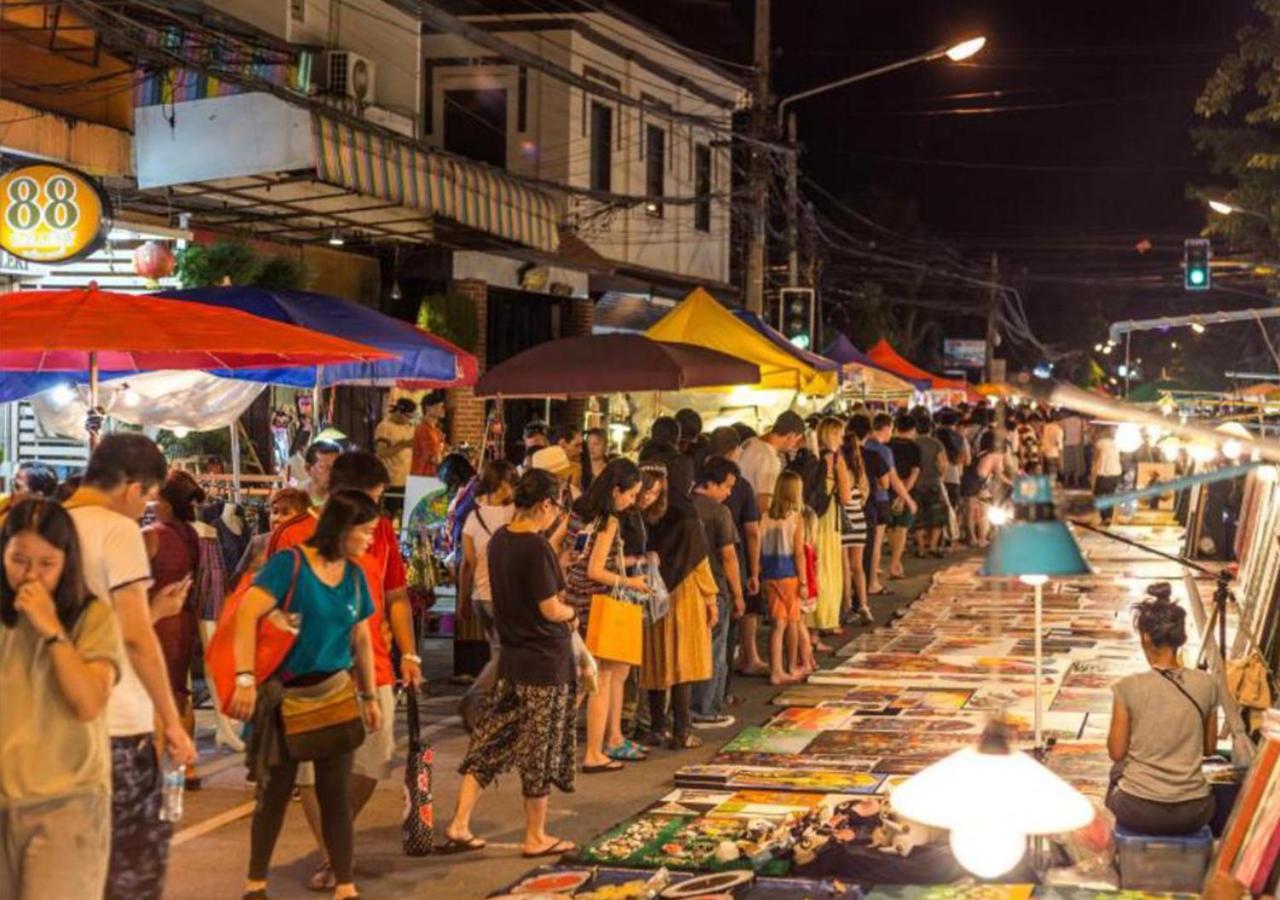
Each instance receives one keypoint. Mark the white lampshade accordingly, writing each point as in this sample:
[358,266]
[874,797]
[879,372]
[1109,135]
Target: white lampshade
[1009,789]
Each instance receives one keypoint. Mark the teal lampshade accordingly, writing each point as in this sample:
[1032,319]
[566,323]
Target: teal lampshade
[1034,548]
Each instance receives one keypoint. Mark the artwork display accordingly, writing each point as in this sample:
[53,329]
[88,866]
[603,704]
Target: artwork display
[809,790]
[607,883]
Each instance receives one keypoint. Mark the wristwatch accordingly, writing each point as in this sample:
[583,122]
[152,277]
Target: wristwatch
[245,680]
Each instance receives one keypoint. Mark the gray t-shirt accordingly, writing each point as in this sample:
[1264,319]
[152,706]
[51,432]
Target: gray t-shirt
[717,523]
[1166,734]
[930,474]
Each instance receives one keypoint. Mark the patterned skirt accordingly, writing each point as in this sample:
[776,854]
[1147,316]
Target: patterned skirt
[856,516]
[531,727]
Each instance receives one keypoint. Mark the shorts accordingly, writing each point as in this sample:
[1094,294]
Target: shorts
[932,512]
[900,516]
[877,514]
[56,849]
[373,757]
[783,595]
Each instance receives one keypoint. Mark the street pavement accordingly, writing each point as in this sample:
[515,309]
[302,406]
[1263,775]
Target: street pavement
[211,846]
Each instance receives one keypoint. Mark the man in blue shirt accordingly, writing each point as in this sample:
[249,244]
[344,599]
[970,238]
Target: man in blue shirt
[883,476]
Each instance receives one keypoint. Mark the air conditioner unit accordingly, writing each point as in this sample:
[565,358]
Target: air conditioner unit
[349,74]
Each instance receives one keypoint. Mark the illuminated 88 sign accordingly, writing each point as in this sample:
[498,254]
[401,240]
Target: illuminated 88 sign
[51,214]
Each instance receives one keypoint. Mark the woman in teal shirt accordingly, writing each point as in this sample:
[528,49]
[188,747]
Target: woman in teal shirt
[332,600]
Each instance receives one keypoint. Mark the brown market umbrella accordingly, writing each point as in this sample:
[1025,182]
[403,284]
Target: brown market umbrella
[612,363]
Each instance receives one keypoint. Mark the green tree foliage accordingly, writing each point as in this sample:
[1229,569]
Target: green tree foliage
[451,317]
[237,263]
[1241,104]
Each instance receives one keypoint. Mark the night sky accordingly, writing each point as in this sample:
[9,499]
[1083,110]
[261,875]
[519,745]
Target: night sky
[1090,155]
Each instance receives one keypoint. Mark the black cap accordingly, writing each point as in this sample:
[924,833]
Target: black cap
[788,423]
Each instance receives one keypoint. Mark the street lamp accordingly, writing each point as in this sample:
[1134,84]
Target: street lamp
[1226,209]
[954,52]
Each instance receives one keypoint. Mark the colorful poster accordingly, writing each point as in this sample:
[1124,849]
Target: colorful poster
[769,740]
[827,781]
[814,718]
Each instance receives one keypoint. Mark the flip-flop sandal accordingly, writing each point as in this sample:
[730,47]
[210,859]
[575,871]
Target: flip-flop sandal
[460,845]
[613,766]
[635,745]
[625,752]
[322,879]
[559,848]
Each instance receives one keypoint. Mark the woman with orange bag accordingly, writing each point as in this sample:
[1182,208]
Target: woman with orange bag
[596,577]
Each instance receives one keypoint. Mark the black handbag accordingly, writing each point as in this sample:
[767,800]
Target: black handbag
[417,830]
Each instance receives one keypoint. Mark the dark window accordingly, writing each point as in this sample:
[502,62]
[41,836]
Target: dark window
[655,168]
[475,125]
[702,187]
[601,147]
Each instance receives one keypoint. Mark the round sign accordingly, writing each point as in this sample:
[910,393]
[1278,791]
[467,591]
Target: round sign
[51,214]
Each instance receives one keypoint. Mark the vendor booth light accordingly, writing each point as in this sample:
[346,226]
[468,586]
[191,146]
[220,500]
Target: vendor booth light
[997,515]
[1097,348]
[1197,328]
[180,432]
[1107,349]
[336,239]
[1128,438]
[1170,451]
[1232,449]
[129,397]
[62,395]
[1202,453]
[991,799]
[1033,548]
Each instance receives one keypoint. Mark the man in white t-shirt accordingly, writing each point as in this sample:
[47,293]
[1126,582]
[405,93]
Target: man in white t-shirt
[760,465]
[123,474]
[1107,467]
[493,510]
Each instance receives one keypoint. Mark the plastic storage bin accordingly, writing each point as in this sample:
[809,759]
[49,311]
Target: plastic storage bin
[1164,862]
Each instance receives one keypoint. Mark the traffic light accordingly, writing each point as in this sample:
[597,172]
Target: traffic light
[1196,273]
[796,316]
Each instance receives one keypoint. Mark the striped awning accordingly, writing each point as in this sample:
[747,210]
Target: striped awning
[472,194]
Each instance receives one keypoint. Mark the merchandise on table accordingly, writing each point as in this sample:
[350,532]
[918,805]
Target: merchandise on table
[608,883]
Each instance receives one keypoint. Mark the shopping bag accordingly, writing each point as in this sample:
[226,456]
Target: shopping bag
[277,631]
[417,828]
[614,630]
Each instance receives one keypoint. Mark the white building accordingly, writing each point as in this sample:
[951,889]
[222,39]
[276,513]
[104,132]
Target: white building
[534,124]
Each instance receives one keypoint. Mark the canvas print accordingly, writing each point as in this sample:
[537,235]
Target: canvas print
[769,740]
[814,718]
[817,780]
[947,892]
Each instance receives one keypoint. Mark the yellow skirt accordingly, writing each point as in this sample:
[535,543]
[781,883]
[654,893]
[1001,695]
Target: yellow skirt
[826,542]
[677,649]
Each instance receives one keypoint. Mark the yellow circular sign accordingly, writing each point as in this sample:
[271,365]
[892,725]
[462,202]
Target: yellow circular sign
[51,214]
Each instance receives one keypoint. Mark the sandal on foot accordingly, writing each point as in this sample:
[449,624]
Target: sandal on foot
[625,752]
[688,742]
[468,844]
[611,766]
[322,879]
[559,848]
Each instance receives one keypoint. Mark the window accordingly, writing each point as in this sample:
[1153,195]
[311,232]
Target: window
[702,187]
[655,168]
[601,147]
[475,125]
[298,10]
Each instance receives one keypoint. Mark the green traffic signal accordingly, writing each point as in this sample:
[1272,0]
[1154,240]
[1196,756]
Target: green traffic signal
[1197,275]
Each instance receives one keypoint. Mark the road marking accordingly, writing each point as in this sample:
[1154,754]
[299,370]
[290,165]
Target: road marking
[212,823]
[236,813]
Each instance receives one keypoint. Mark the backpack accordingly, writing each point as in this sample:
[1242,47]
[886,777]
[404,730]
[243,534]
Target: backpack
[813,472]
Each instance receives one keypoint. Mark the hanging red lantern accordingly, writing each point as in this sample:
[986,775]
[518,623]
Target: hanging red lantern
[153,261]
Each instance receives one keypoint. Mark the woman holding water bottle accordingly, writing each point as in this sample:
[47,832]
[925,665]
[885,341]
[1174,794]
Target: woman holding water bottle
[60,656]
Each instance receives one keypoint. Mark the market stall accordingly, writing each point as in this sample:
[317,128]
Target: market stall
[863,378]
[883,354]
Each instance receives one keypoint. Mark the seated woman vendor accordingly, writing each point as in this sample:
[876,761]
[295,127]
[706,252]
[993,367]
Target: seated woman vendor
[1163,723]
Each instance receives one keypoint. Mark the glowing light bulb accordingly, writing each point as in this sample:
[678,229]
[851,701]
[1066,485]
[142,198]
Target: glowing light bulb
[988,851]
[62,395]
[997,515]
[1197,328]
[130,397]
[1169,450]
[1128,438]
[1231,449]
[180,432]
[1202,453]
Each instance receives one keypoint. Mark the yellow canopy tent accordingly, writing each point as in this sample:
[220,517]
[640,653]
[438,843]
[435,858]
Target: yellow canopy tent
[703,322]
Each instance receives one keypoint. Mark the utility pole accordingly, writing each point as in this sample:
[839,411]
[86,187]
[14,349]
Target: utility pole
[993,308]
[793,204]
[757,255]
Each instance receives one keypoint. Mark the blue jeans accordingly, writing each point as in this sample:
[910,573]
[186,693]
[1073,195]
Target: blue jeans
[709,695]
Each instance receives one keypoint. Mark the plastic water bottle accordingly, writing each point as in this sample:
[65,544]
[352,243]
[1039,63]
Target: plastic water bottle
[171,794]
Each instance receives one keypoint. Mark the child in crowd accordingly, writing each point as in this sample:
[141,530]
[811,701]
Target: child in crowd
[782,573]
[806,640]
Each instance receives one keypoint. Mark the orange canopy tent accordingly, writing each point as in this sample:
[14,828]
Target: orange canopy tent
[883,355]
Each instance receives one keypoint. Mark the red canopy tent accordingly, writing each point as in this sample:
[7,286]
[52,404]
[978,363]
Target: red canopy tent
[883,355]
